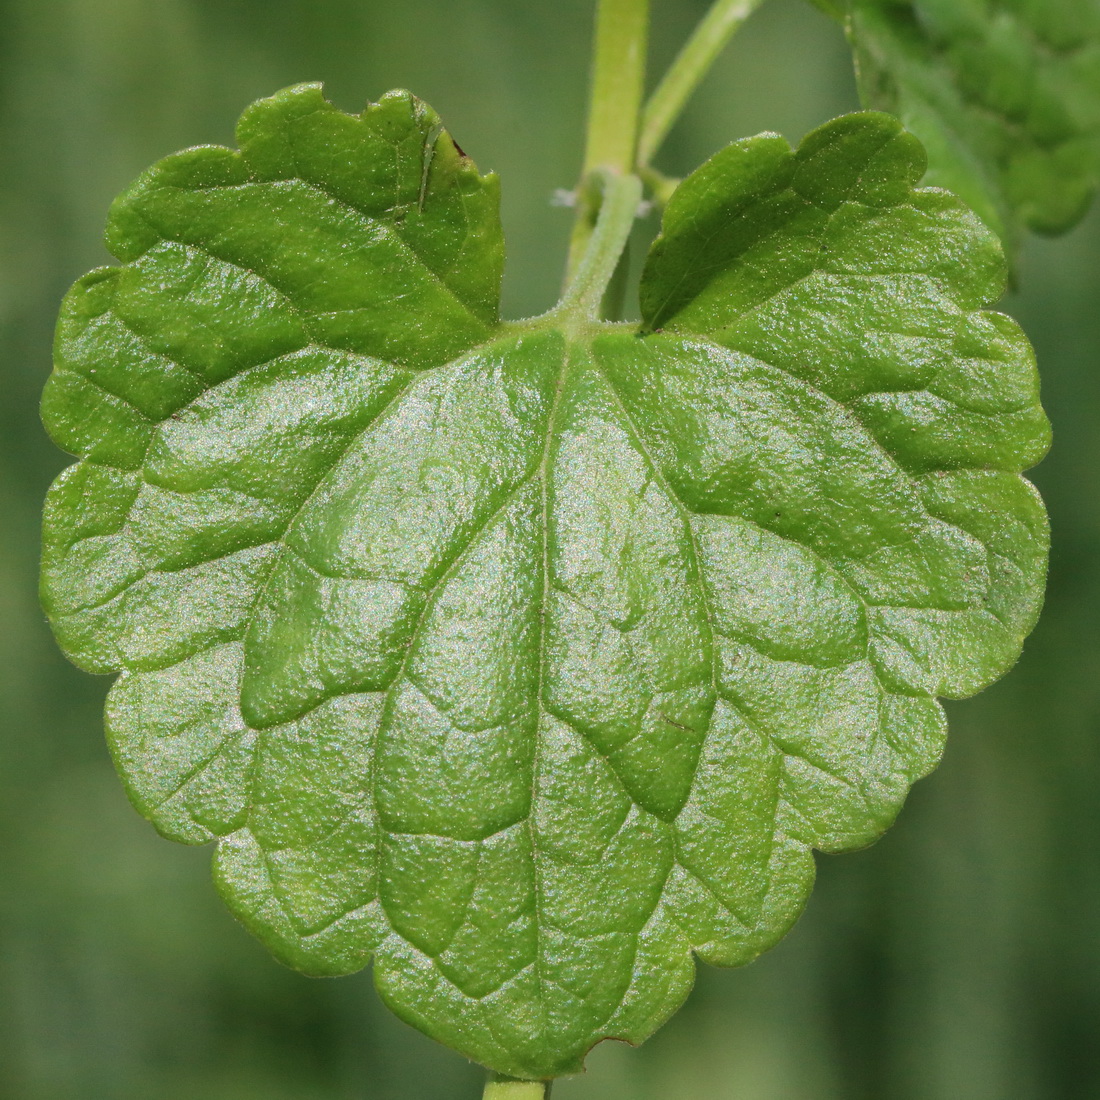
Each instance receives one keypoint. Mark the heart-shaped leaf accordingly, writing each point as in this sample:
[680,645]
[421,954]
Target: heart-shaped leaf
[532,658]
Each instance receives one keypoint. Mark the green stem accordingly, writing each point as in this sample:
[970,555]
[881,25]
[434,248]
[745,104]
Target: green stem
[506,1088]
[618,208]
[660,186]
[618,78]
[618,84]
[692,63]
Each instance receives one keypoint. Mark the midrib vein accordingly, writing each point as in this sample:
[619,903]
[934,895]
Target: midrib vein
[541,712]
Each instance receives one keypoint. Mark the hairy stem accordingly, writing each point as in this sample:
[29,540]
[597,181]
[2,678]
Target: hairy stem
[506,1088]
[618,77]
[686,73]
[620,196]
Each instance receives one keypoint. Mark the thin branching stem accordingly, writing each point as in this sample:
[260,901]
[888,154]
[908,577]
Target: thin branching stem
[686,73]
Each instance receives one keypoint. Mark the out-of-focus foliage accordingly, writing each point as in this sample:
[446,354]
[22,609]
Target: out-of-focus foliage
[959,957]
[1005,95]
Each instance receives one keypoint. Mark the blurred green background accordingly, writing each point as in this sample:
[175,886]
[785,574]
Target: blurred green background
[959,959]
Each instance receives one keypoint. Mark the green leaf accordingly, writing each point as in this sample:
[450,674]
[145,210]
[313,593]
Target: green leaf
[1004,94]
[531,659]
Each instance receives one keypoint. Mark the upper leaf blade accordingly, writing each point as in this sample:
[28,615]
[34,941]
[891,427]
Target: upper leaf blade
[252,262]
[367,224]
[859,294]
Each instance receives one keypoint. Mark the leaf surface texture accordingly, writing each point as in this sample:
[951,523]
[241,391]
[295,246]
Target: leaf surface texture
[531,659]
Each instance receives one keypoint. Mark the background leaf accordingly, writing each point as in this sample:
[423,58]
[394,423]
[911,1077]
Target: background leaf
[1004,95]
